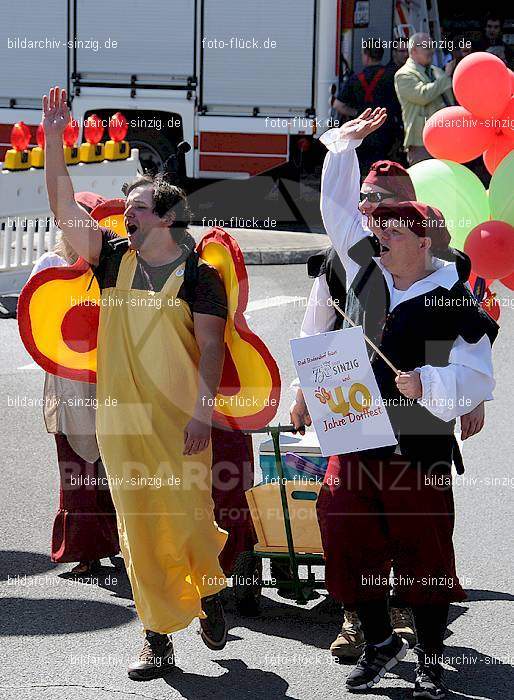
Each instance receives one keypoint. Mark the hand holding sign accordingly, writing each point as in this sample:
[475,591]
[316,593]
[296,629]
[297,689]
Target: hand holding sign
[409,384]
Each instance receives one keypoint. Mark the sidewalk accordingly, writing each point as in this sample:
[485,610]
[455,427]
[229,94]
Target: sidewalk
[267,247]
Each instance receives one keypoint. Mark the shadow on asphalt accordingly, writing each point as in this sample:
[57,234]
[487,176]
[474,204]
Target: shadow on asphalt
[112,578]
[56,616]
[15,563]
[470,672]
[240,680]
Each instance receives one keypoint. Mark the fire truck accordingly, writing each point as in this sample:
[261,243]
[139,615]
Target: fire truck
[241,82]
[246,84]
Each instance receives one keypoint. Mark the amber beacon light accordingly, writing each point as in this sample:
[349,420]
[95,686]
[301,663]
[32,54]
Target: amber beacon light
[92,150]
[69,137]
[117,148]
[17,157]
[37,154]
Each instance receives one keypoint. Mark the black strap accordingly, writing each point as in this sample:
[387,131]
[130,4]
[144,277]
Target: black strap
[457,456]
[191,276]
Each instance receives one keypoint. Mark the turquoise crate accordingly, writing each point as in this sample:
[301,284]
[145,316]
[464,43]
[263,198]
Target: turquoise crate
[305,445]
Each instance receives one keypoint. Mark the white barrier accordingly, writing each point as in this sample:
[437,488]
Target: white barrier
[27,228]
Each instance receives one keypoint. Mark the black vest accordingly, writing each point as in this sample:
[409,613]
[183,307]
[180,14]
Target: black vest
[419,331]
[329,264]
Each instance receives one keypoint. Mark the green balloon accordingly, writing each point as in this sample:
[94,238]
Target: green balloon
[456,191]
[501,191]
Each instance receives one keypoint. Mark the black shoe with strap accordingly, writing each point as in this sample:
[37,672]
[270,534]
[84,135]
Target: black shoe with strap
[213,628]
[375,662]
[429,678]
[155,660]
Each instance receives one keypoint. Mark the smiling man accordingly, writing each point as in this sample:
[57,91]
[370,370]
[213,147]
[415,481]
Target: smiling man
[159,367]
[408,290]
[385,184]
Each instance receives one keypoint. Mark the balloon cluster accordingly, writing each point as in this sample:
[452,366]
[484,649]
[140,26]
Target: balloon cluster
[479,223]
[483,123]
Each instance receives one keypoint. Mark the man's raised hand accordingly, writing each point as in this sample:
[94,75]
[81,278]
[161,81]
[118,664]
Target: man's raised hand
[364,124]
[56,114]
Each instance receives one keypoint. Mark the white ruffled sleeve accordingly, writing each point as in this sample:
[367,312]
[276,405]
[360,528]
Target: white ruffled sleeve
[340,187]
[458,388]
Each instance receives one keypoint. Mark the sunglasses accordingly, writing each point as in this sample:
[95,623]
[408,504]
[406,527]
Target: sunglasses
[372,197]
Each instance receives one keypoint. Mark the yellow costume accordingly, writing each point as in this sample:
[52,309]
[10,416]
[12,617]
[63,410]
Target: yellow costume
[147,389]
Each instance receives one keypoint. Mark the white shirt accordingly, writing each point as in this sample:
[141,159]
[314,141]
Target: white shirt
[449,391]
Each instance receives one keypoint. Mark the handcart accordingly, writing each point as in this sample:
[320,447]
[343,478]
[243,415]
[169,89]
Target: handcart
[284,518]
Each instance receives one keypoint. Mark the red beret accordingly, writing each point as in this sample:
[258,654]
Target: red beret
[89,200]
[421,219]
[392,177]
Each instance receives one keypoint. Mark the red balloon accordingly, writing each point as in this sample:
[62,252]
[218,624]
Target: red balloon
[93,129]
[500,147]
[453,133]
[482,84]
[508,281]
[20,136]
[506,121]
[490,246]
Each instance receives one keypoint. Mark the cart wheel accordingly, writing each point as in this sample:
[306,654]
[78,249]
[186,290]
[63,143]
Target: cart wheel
[247,584]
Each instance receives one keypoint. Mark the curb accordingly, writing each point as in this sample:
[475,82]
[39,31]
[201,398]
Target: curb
[279,257]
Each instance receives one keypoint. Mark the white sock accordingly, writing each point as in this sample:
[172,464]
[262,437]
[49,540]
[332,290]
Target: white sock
[387,641]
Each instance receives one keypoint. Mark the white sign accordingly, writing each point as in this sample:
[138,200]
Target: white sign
[341,392]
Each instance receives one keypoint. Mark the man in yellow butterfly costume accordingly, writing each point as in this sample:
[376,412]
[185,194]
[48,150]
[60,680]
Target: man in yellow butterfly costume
[160,359]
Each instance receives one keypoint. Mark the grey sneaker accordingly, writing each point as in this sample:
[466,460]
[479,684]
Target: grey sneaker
[155,660]
[214,626]
[375,662]
[349,643]
[429,679]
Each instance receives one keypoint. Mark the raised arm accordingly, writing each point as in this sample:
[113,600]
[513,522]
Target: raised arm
[340,184]
[79,229]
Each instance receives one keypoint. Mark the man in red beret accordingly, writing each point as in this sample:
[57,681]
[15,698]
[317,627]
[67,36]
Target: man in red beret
[387,183]
[408,290]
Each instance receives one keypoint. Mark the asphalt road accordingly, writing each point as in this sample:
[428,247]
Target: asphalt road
[73,640]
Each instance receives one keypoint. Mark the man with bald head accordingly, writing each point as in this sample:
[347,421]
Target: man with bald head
[422,90]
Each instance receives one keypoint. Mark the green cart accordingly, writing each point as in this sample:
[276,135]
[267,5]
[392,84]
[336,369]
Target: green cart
[284,517]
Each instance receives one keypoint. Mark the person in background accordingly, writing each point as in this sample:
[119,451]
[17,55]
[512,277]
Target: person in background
[462,47]
[422,89]
[492,34]
[84,528]
[373,86]
[399,54]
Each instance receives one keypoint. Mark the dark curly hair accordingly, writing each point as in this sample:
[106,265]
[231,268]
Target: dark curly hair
[167,197]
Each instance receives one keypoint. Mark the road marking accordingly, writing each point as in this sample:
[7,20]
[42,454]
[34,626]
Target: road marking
[269,302]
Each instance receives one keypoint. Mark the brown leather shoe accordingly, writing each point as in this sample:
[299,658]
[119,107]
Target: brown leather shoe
[349,643]
[402,621]
[155,660]
[214,626]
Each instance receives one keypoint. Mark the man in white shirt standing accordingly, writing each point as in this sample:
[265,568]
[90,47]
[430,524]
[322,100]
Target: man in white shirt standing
[410,296]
